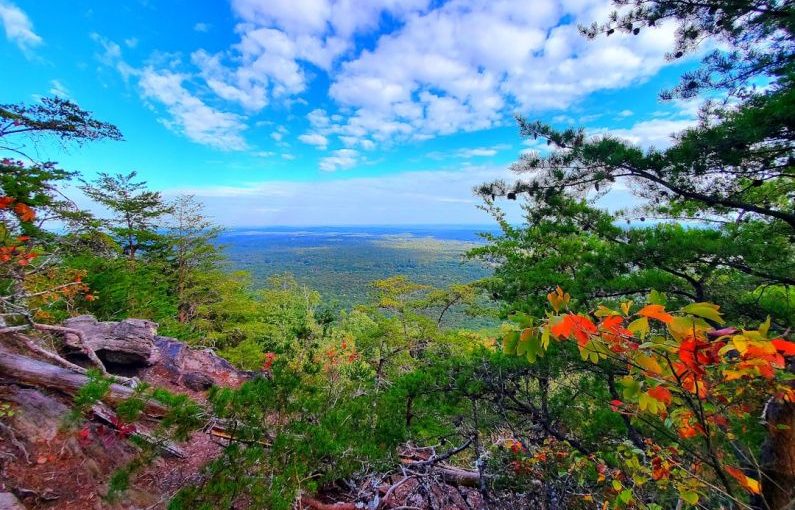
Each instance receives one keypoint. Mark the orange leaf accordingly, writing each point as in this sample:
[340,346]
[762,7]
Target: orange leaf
[25,212]
[656,312]
[746,482]
[558,298]
[577,325]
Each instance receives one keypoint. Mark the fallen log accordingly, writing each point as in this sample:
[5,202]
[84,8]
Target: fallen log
[451,475]
[32,372]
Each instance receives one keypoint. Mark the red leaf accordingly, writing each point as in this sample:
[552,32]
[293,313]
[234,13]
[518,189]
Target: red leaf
[784,347]
[661,393]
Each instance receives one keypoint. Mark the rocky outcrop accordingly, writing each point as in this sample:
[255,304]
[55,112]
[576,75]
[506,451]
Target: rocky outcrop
[195,369]
[50,458]
[129,342]
[133,347]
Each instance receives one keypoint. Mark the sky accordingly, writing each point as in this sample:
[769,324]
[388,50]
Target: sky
[334,112]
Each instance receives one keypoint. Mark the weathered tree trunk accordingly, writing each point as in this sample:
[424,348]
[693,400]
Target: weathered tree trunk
[28,371]
[778,453]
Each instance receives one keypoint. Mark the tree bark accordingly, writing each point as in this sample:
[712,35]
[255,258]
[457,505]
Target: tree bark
[777,457]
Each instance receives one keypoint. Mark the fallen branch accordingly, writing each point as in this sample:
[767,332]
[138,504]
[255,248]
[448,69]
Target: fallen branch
[435,459]
[450,474]
[41,351]
[219,431]
[29,371]
[107,416]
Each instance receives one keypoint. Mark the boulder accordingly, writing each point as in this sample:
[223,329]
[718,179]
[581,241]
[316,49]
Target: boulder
[129,342]
[37,417]
[197,369]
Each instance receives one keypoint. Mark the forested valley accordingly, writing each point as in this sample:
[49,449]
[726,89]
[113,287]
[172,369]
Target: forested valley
[634,359]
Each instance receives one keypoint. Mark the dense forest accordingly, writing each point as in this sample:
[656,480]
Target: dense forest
[637,364]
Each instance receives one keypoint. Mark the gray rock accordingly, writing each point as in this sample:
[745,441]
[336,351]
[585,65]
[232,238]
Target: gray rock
[197,381]
[197,369]
[9,502]
[37,417]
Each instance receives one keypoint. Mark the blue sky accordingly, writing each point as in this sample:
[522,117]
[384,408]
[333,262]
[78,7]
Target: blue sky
[312,112]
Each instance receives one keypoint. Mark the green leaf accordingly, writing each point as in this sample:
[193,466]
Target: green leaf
[524,342]
[705,310]
[689,497]
[631,387]
[639,327]
[509,342]
[764,327]
[656,298]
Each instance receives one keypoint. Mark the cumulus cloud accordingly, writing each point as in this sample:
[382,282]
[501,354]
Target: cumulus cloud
[189,114]
[340,159]
[404,70]
[319,141]
[18,27]
[449,80]
[278,38]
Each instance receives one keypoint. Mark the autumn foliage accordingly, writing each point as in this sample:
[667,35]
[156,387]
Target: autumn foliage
[686,376]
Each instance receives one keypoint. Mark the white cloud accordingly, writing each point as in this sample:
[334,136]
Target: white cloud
[279,37]
[471,152]
[131,42]
[433,76]
[18,27]
[438,68]
[319,141]
[189,114]
[112,56]
[340,159]
[59,89]
[201,27]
